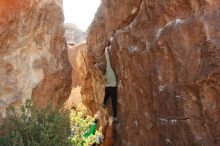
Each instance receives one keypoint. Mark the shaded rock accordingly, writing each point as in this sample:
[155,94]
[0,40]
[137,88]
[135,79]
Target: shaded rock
[76,60]
[166,58]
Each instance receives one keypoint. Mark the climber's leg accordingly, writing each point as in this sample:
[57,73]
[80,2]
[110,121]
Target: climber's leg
[114,101]
[107,91]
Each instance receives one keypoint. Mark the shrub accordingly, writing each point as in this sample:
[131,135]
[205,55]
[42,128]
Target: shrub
[32,127]
[47,127]
[79,125]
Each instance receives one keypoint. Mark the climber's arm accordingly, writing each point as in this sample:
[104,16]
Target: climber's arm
[107,57]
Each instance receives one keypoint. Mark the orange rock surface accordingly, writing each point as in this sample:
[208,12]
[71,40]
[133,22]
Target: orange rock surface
[166,58]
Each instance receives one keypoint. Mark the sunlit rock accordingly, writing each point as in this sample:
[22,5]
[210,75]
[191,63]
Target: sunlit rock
[33,54]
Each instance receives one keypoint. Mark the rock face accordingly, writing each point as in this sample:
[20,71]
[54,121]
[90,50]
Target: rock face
[76,59]
[73,34]
[33,54]
[166,57]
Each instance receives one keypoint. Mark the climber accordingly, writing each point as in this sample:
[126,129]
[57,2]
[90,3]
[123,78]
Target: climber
[110,85]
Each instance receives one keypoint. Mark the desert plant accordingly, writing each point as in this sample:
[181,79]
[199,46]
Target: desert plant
[32,127]
[49,126]
[80,124]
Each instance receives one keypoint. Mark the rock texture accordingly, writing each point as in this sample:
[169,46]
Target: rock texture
[166,57]
[33,54]
[76,59]
[73,34]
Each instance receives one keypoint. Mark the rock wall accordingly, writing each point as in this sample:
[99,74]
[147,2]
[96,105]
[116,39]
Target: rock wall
[166,57]
[76,59]
[33,55]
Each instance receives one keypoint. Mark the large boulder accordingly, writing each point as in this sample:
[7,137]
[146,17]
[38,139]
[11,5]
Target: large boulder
[33,55]
[166,57]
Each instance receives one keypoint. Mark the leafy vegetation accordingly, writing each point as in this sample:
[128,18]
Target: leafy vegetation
[47,127]
[79,125]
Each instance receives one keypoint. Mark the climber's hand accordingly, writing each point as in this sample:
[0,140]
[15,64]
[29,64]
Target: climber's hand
[107,49]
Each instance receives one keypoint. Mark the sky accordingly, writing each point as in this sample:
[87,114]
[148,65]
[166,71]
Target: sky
[80,12]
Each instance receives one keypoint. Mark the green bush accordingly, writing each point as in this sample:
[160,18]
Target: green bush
[47,127]
[32,127]
[79,125]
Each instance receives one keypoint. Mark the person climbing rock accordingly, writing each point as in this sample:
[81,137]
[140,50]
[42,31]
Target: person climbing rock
[110,85]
